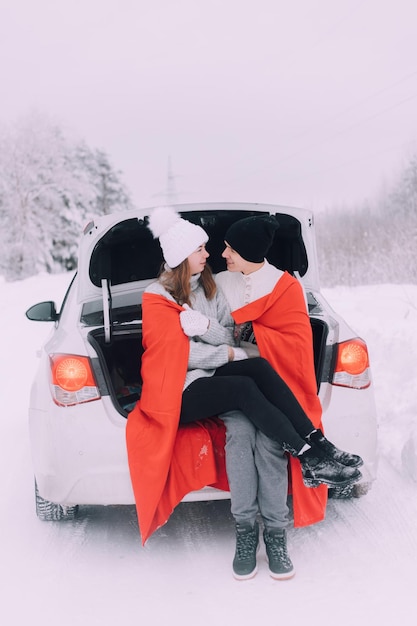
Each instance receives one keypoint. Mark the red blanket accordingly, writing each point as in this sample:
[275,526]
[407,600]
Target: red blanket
[283,333]
[167,462]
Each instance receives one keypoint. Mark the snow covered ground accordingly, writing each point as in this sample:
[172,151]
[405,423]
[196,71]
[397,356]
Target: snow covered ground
[356,567]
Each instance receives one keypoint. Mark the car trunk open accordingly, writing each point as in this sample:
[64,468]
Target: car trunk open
[126,258]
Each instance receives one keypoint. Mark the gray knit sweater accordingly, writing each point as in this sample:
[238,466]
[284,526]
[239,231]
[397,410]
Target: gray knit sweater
[210,350]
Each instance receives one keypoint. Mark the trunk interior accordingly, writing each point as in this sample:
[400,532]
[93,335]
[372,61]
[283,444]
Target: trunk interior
[120,361]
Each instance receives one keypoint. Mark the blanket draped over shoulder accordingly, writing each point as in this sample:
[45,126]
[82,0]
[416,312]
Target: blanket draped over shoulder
[284,336]
[167,461]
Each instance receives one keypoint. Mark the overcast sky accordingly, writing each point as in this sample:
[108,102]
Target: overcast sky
[302,102]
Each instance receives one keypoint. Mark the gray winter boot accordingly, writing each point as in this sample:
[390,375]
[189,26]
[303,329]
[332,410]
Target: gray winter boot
[247,541]
[280,565]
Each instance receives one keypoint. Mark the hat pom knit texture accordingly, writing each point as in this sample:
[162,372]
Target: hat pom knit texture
[162,219]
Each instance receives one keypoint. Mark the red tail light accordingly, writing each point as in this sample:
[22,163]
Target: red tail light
[352,365]
[72,380]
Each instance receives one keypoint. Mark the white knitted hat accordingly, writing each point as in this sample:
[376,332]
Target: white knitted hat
[178,238]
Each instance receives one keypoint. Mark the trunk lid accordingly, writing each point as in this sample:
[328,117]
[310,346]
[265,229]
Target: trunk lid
[118,254]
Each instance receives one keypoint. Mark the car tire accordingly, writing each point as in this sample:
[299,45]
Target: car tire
[350,491]
[51,512]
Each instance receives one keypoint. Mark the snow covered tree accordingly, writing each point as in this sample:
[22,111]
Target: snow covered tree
[372,243]
[400,221]
[49,188]
[403,199]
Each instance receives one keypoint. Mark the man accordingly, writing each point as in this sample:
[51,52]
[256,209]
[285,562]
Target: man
[269,308]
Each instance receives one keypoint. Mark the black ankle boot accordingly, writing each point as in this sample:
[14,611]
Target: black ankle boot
[318,469]
[330,450]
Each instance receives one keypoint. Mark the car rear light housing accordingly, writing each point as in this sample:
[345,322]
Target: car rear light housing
[352,364]
[72,380]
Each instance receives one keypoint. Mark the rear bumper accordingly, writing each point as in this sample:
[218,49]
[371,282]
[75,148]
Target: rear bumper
[79,456]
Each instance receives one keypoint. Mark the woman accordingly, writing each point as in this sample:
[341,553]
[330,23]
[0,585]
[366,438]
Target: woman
[220,377]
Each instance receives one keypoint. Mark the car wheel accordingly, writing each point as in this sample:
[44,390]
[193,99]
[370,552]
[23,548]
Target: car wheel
[50,511]
[350,491]
[361,489]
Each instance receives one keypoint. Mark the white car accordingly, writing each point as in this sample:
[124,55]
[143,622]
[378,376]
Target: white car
[88,377]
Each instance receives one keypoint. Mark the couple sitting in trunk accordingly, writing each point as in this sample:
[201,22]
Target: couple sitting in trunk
[265,392]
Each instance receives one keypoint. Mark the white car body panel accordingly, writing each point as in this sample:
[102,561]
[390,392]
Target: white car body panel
[79,452]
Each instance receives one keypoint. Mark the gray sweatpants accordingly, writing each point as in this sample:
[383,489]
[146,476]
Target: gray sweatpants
[257,472]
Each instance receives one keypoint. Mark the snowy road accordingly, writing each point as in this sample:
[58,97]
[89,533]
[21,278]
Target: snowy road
[359,562]
[354,569]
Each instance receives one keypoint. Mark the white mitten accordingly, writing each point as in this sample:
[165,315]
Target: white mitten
[239,354]
[192,322]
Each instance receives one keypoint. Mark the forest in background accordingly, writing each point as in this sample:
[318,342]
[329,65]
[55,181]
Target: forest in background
[374,243]
[50,186]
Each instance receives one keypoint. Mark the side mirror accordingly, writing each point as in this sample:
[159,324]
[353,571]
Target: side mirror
[43,312]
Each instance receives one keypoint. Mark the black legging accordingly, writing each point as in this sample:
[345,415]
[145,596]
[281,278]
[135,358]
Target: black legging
[253,387]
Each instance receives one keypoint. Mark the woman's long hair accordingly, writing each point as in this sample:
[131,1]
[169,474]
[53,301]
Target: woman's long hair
[177,282]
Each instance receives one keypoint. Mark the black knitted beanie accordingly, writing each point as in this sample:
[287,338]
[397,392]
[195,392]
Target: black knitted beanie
[252,237]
